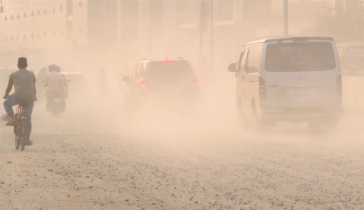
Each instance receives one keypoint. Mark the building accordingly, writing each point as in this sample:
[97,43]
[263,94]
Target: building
[41,29]
[74,32]
[113,32]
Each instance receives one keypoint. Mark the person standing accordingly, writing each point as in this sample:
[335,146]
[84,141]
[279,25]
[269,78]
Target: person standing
[25,94]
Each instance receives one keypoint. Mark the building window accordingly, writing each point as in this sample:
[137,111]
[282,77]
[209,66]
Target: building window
[24,15]
[6,18]
[38,12]
[24,36]
[18,16]
[32,36]
[32,14]
[38,35]
[61,8]
[11,17]
[11,38]
[54,10]
[45,11]
[80,4]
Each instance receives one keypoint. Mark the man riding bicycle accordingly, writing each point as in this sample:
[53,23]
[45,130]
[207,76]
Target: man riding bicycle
[54,82]
[25,94]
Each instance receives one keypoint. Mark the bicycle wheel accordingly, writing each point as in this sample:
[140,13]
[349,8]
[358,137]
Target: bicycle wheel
[24,131]
[17,132]
[17,138]
[17,141]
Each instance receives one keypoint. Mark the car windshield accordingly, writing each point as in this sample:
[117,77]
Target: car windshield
[355,51]
[169,70]
[297,57]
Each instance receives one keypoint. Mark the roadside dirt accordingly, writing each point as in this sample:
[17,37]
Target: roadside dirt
[85,160]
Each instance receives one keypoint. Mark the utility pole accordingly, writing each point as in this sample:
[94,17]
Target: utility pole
[285,6]
[150,29]
[1,6]
[212,37]
[200,33]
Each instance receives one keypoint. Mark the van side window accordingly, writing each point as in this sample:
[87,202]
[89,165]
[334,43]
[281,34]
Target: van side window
[255,58]
[249,61]
[241,60]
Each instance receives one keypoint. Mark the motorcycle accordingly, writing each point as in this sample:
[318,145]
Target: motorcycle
[57,103]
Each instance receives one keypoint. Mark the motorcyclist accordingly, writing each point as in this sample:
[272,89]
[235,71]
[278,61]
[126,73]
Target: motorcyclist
[54,83]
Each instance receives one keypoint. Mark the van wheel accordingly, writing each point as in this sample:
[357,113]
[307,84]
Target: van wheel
[242,119]
[257,125]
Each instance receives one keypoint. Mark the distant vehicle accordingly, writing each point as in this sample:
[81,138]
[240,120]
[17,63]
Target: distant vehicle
[169,84]
[57,103]
[352,58]
[295,79]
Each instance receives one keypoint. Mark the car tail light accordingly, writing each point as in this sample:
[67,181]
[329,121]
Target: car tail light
[168,61]
[142,83]
[195,80]
[339,85]
[262,88]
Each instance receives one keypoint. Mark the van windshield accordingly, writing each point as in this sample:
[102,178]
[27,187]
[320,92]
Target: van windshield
[298,57]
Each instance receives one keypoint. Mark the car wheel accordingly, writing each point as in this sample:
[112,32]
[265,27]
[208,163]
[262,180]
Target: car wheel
[257,125]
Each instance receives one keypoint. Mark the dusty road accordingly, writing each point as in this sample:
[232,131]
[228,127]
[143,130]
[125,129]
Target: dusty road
[81,161]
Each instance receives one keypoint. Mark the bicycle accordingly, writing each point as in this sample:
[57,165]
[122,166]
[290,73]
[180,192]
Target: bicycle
[20,128]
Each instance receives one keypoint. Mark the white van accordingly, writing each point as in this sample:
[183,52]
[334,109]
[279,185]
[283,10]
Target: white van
[296,79]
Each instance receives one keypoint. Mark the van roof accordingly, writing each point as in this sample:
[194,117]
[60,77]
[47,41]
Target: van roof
[351,44]
[290,38]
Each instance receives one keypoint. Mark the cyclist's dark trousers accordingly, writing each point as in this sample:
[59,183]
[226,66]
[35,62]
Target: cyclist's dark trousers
[27,106]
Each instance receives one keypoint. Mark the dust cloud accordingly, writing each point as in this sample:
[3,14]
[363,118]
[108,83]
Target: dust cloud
[99,155]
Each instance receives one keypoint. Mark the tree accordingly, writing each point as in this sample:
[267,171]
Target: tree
[345,26]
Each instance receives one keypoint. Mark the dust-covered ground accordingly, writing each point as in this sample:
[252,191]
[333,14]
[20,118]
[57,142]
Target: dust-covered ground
[94,157]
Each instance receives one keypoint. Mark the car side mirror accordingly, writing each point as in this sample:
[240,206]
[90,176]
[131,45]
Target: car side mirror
[126,79]
[232,67]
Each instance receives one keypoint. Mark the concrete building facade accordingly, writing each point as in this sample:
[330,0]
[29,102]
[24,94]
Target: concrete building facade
[79,31]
